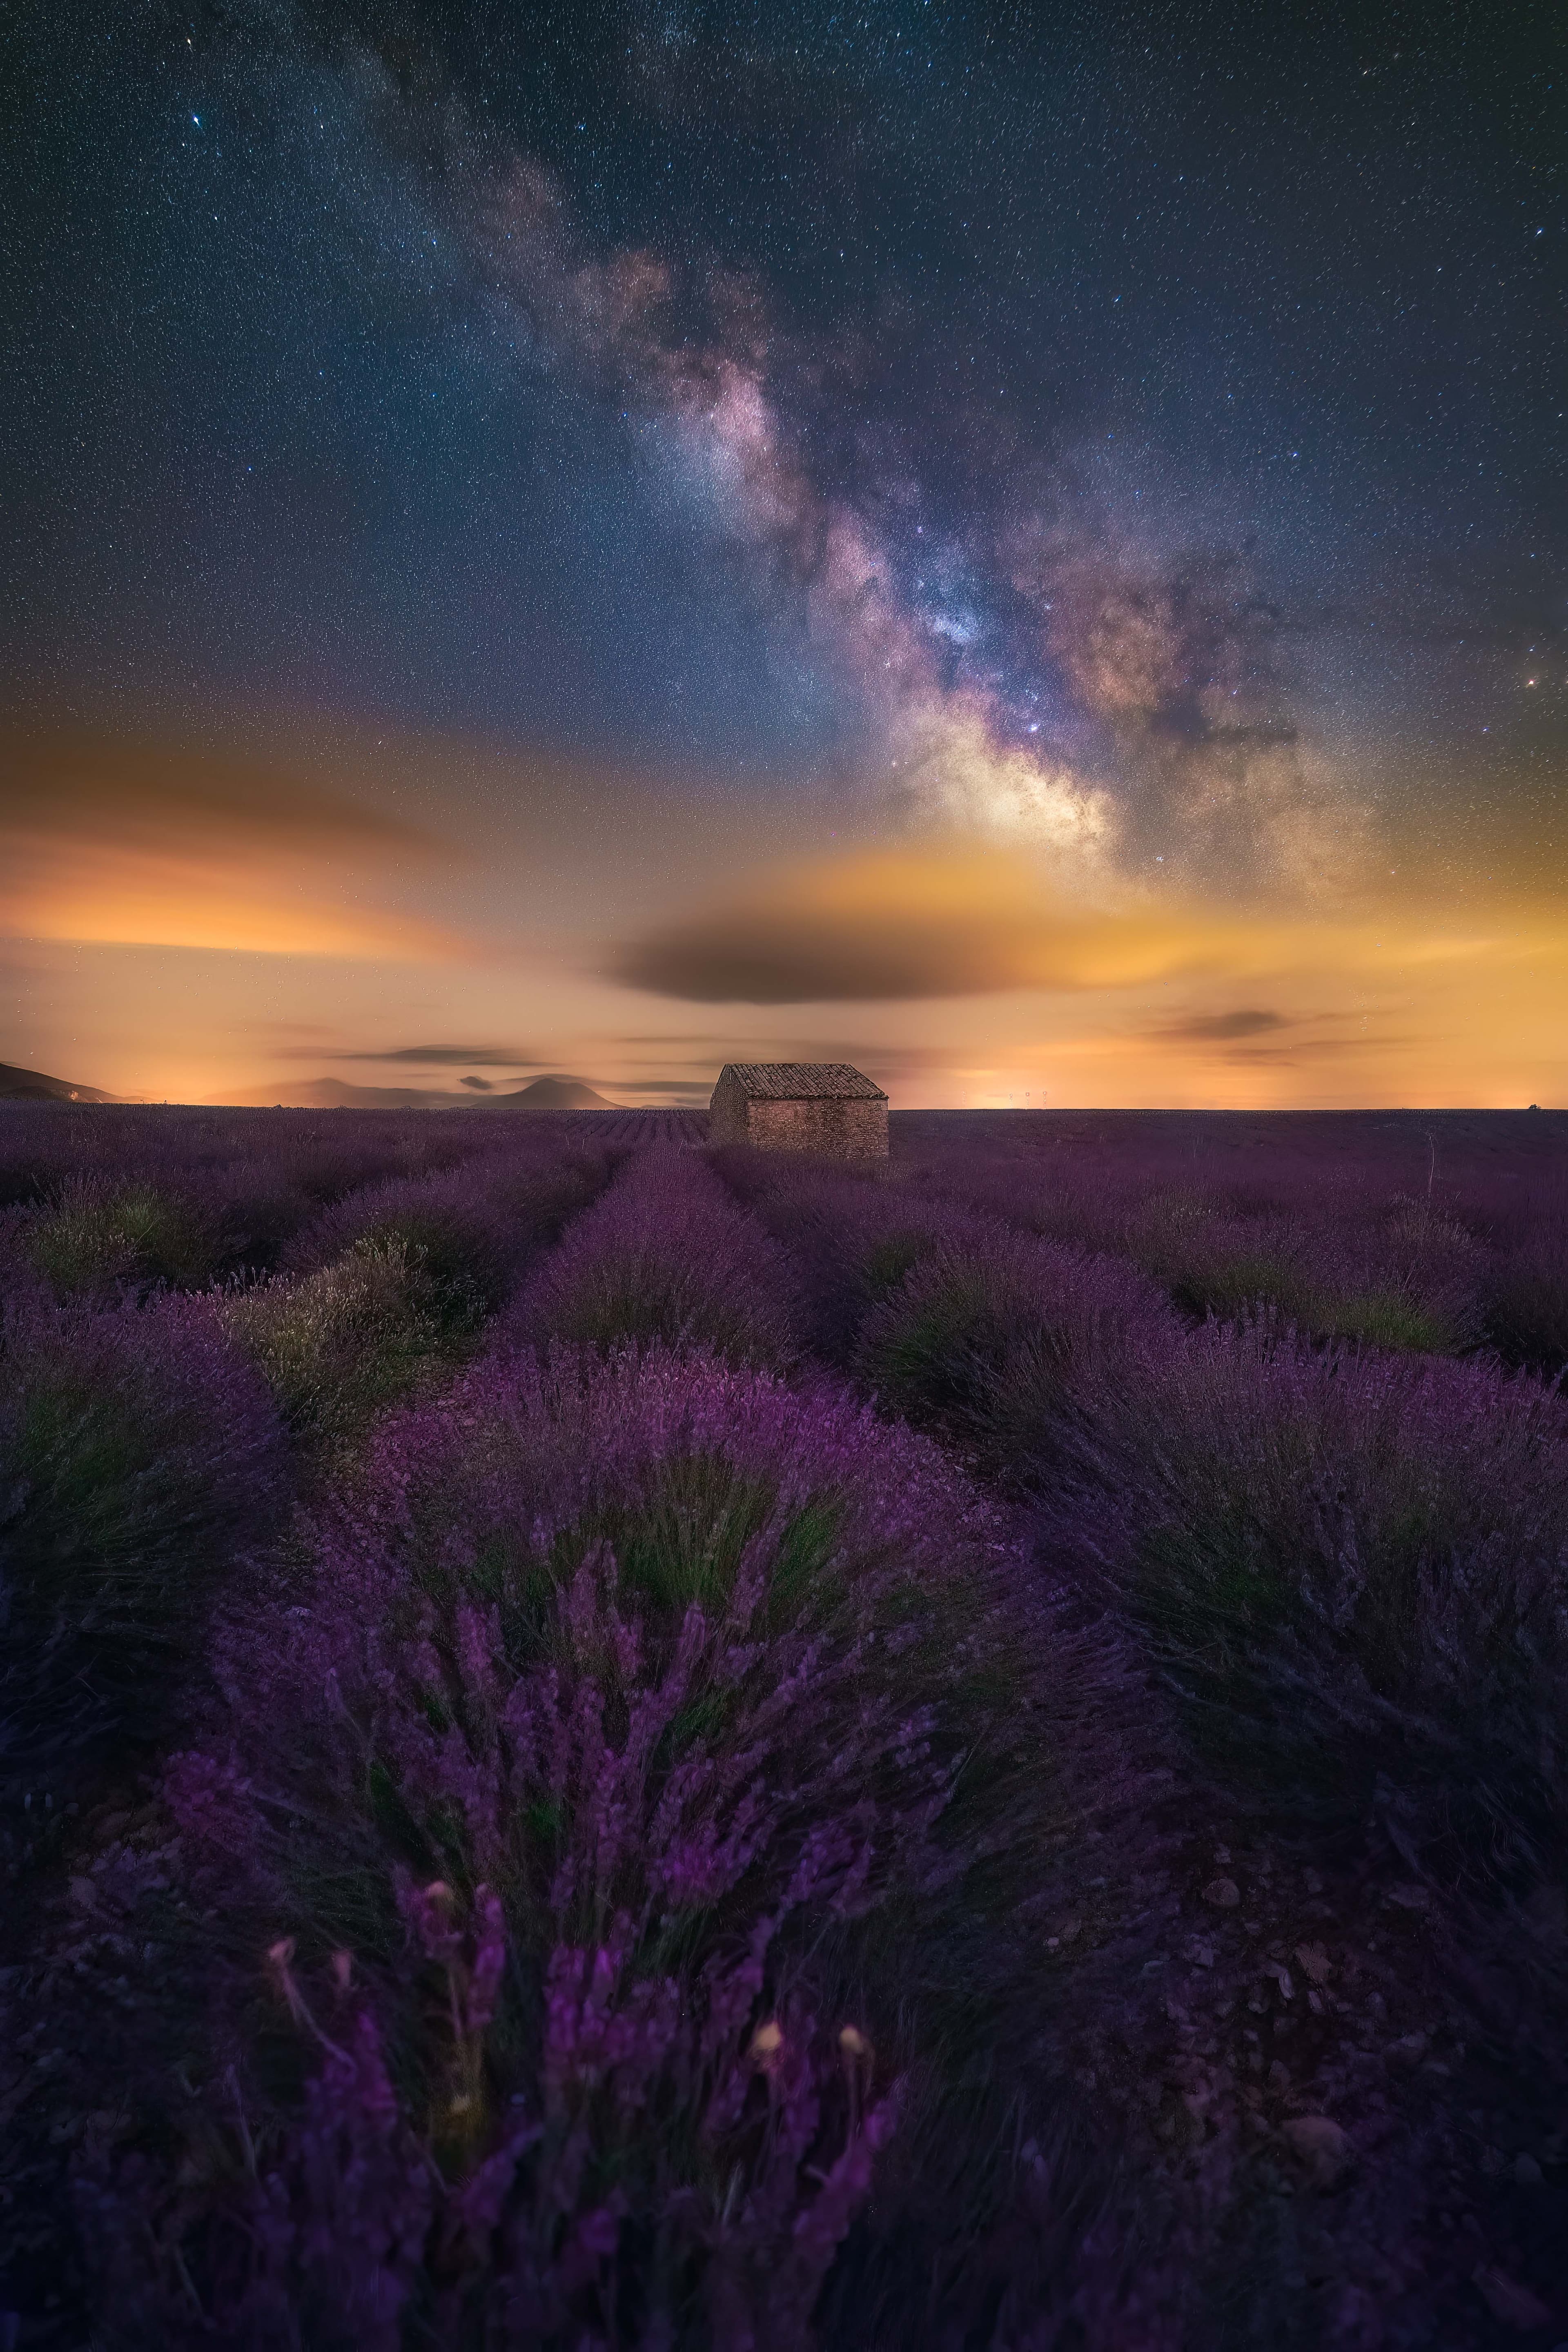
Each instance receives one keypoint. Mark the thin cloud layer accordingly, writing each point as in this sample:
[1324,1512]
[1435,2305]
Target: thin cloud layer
[169,797]
[1220,1027]
[113,843]
[120,898]
[466,1058]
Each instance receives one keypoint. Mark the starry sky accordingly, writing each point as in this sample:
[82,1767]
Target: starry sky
[1023,547]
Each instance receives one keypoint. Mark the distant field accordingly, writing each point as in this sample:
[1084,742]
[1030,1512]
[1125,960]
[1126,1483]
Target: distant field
[1466,1142]
[1383,1136]
[607,1744]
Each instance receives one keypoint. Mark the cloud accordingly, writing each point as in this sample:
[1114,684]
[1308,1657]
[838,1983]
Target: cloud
[1221,1026]
[134,844]
[480,1086]
[117,898]
[1319,1049]
[468,1057]
[913,923]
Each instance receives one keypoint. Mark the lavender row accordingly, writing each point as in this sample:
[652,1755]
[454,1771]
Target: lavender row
[1343,1568]
[1348,1560]
[172,1209]
[150,1439]
[1416,1234]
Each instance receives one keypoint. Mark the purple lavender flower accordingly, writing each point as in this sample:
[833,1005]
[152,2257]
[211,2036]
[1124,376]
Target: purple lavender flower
[666,1257]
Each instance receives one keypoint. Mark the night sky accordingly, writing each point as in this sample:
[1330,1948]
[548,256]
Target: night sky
[1023,547]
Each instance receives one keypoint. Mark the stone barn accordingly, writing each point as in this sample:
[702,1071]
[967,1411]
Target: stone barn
[821,1106]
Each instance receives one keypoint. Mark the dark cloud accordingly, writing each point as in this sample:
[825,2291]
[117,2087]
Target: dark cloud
[480,1086]
[880,1060]
[885,925]
[719,962]
[1221,1026]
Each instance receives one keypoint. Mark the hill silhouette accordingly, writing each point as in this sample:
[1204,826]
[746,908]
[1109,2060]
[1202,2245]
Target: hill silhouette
[556,1092]
[17,1084]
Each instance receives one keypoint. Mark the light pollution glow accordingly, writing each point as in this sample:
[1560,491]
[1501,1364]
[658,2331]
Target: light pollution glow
[175,953]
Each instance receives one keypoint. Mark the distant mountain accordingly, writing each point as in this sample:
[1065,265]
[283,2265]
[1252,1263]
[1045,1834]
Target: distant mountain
[556,1094]
[33,1085]
[340,1094]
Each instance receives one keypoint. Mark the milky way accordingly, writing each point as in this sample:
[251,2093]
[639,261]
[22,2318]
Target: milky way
[1090,429]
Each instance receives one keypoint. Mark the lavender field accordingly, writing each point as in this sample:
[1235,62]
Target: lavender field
[604,1745]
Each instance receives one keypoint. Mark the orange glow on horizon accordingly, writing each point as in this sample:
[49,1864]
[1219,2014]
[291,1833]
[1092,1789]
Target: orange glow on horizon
[122,897]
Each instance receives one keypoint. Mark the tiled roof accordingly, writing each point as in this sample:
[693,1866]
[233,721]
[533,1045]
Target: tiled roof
[802,1082]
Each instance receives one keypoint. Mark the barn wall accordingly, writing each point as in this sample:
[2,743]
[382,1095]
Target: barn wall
[727,1114]
[839,1130]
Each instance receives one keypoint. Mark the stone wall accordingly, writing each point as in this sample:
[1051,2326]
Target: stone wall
[835,1129]
[727,1112]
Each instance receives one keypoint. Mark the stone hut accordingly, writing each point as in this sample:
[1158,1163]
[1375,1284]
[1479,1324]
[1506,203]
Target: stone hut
[820,1107]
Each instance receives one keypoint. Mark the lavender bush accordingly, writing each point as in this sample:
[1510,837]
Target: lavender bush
[1340,1257]
[138,1451]
[851,1237]
[96,1234]
[337,1346]
[654,1858]
[470,1231]
[666,1257]
[1526,1295]
[992,1342]
[1349,1570]
[617,1685]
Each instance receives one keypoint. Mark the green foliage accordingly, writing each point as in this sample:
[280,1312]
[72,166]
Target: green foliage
[684,1542]
[649,1297]
[94,1235]
[440,1264]
[1527,1308]
[680,1543]
[891,1255]
[133,1442]
[940,1355]
[989,1339]
[337,1346]
[1386,1318]
[1346,1566]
